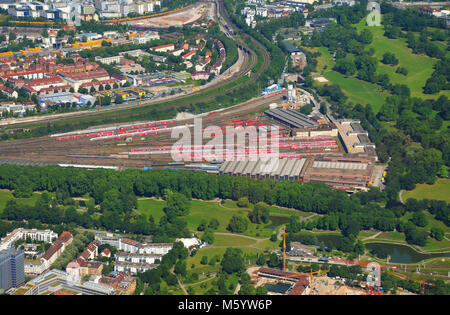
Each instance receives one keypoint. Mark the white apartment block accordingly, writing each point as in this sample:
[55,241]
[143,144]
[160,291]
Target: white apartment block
[133,268]
[137,258]
[36,235]
[145,38]
[110,60]
[156,248]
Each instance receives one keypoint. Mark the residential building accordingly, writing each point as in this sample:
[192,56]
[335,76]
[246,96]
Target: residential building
[164,48]
[110,60]
[80,268]
[188,55]
[203,75]
[21,234]
[10,92]
[57,248]
[137,258]
[133,268]
[127,245]
[105,253]
[77,79]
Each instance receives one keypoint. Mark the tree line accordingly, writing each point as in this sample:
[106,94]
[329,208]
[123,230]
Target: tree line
[114,194]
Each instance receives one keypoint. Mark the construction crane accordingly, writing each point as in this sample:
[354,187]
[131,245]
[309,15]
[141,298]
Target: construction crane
[284,248]
[99,102]
[415,280]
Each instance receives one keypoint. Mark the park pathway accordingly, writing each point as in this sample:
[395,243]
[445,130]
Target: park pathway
[372,236]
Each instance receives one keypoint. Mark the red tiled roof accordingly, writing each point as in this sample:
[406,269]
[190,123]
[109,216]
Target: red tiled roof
[14,74]
[86,75]
[37,82]
[8,90]
[190,53]
[52,250]
[300,286]
[85,255]
[162,46]
[54,88]
[110,81]
[60,241]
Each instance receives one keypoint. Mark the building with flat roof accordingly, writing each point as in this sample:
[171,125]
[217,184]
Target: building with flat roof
[284,169]
[137,258]
[337,170]
[291,118]
[133,268]
[130,246]
[59,282]
[66,97]
[12,273]
[354,138]
[340,171]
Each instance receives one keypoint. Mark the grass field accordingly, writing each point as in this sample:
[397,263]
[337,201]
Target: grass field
[6,195]
[420,67]
[205,210]
[274,210]
[231,240]
[151,207]
[438,191]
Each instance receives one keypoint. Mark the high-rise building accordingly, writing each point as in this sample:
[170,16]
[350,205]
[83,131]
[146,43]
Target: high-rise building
[11,268]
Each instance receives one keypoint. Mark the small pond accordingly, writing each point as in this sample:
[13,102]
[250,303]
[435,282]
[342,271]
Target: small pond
[401,253]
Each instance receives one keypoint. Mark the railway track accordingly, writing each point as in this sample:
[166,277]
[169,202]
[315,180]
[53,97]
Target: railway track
[48,149]
[250,61]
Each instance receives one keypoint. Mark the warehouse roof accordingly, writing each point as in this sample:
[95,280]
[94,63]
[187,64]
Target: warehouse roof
[291,48]
[292,117]
[283,168]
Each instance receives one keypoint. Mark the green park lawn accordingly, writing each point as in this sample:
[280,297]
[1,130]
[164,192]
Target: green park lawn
[230,240]
[391,236]
[151,207]
[420,68]
[438,191]
[6,195]
[358,91]
[206,210]
[274,210]
[432,222]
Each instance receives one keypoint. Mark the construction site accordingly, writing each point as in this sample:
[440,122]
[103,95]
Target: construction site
[279,282]
[186,16]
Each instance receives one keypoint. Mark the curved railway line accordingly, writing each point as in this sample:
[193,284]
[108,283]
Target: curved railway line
[250,61]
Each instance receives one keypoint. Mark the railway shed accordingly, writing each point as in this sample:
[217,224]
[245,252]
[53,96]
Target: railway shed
[292,118]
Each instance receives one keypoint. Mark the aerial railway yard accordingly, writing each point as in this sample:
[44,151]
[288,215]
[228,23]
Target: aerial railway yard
[310,152]
[150,145]
[207,93]
[56,149]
